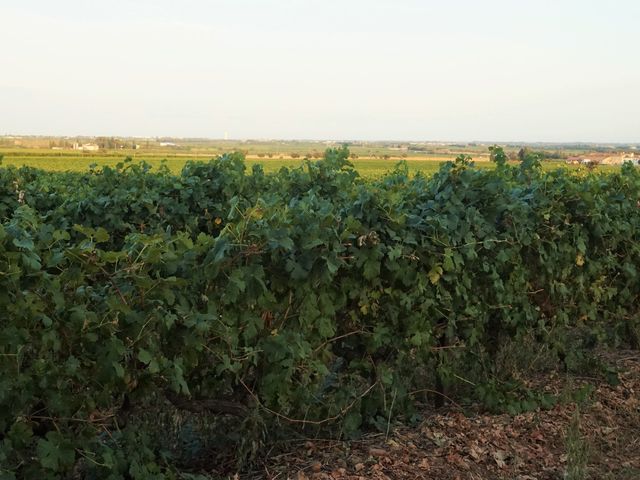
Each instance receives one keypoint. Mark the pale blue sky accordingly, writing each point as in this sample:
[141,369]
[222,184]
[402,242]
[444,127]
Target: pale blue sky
[541,70]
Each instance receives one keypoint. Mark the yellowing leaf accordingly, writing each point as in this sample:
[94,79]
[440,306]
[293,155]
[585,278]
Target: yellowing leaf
[434,274]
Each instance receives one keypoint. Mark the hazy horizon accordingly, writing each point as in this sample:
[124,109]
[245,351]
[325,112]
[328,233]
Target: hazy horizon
[404,70]
[324,140]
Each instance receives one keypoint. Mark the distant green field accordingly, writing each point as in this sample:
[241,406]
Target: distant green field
[68,161]
[71,161]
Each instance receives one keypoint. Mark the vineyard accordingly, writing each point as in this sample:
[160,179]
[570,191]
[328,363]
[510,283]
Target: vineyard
[152,321]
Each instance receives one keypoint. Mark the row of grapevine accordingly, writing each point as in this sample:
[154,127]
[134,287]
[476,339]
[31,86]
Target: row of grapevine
[147,318]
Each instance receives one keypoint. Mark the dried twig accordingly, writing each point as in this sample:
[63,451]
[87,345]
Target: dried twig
[335,339]
[305,421]
[428,390]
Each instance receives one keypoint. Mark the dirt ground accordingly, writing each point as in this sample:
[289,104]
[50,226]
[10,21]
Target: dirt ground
[598,440]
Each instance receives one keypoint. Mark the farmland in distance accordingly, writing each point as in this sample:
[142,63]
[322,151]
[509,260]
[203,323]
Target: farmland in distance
[367,164]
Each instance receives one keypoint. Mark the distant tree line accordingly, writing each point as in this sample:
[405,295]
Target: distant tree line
[525,153]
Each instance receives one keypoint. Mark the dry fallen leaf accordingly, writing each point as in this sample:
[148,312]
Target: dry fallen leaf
[476,452]
[456,459]
[393,444]
[377,452]
[537,436]
[424,464]
[499,456]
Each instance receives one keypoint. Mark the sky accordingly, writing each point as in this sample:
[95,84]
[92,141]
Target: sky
[455,70]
